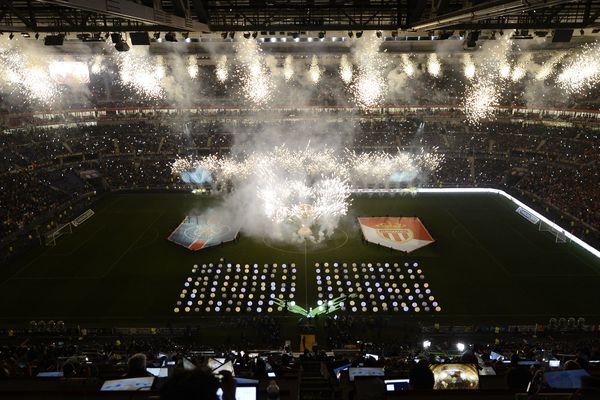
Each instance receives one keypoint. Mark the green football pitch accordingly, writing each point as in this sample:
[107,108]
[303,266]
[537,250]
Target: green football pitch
[488,264]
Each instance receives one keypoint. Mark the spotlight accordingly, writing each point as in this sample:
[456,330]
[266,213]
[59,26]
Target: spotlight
[460,347]
[170,37]
[54,40]
[350,34]
[378,33]
[122,46]
[116,38]
[426,344]
[359,34]
[246,35]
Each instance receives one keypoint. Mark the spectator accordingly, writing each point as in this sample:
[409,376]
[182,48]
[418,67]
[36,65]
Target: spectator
[421,377]
[136,366]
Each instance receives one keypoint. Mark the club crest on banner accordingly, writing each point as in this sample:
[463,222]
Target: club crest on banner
[400,233]
[395,232]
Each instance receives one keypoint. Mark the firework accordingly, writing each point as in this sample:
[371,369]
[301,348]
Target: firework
[408,67]
[504,70]
[434,67]
[480,100]
[97,66]
[192,67]
[549,67]
[345,69]
[469,67]
[255,79]
[308,188]
[221,70]
[314,72]
[370,86]
[288,68]
[581,72]
[374,168]
[141,72]
[27,74]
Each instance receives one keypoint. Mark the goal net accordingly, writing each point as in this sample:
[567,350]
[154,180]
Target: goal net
[558,233]
[82,218]
[58,232]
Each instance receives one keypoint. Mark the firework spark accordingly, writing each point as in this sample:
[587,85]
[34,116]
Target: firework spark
[581,72]
[221,69]
[480,100]
[345,69]
[434,67]
[256,82]
[408,67]
[288,67]
[308,188]
[141,72]
[370,85]
[469,67]
[28,74]
[192,67]
[549,67]
[314,72]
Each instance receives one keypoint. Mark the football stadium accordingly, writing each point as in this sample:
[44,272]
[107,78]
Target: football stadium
[206,199]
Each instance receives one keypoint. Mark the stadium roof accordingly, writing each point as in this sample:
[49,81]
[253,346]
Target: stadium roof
[275,16]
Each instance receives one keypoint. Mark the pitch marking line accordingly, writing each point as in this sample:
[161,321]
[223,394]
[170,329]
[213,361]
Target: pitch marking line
[108,271]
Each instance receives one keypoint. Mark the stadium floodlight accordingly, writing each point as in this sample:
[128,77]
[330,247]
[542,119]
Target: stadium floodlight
[54,40]
[460,347]
[120,44]
[170,37]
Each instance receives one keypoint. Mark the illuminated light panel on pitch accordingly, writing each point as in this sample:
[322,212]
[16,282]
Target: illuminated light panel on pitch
[376,287]
[237,288]
[400,233]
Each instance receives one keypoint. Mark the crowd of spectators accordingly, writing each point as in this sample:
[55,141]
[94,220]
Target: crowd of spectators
[511,360]
[556,164]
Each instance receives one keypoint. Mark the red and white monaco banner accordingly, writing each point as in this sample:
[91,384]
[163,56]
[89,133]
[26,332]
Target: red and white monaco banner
[400,233]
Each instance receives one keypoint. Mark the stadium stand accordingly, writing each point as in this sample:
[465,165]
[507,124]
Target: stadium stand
[554,168]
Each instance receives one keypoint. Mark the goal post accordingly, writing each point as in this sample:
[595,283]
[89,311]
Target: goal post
[558,233]
[58,232]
